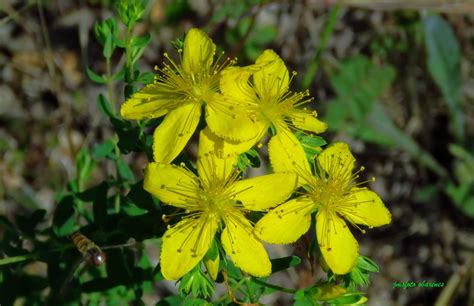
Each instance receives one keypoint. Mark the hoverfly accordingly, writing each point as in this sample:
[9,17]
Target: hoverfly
[91,253]
[88,249]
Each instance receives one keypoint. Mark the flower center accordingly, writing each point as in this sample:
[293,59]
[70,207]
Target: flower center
[216,204]
[329,193]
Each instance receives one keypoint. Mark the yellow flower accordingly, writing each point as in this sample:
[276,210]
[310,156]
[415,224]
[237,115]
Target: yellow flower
[337,198]
[215,201]
[261,94]
[179,92]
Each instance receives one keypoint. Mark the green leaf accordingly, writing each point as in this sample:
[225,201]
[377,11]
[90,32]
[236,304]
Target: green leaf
[133,210]
[124,170]
[105,107]
[251,158]
[360,274]
[108,47]
[100,205]
[138,45]
[129,89]
[462,196]
[84,167]
[337,114]
[27,224]
[173,300]
[350,298]
[104,149]
[141,198]
[468,207]
[311,144]
[444,64]
[146,78]
[89,194]
[284,263]
[302,298]
[130,11]
[197,283]
[120,75]
[95,77]
[129,137]
[140,41]
[367,264]
[359,83]
[190,301]
[63,218]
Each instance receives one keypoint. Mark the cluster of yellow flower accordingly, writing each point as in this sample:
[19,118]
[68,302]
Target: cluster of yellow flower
[241,104]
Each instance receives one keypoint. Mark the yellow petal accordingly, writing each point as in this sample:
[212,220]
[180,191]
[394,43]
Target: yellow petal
[273,79]
[152,101]
[337,160]
[285,223]
[308,122]
[212,264]
[171,184]
[210,167]
[287,154]
[265,191]
[225,120]
[234,84]
[338,247]
[367,209]
[225,148]
[173,133]
[198,52]
[245,250]
[185,244]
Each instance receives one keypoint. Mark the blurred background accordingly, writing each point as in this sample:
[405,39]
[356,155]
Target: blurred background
[394,79]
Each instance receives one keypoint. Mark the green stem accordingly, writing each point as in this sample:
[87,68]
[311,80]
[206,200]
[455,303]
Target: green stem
[14,259]
[327,32]
[275,287]
[119,178]
[128,63]
[34,256]
[110,87]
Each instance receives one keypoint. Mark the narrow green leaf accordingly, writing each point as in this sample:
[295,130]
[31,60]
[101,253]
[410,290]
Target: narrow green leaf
[138,45]
[63,218]
[104,149]
[444,63]
[132,210]
[108,47]
[367,264]
[124,170]
[140,41]
[84,167]
[120,75]
[89,194]
[95,77]
[146,78]
[105,107]
[15,259]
